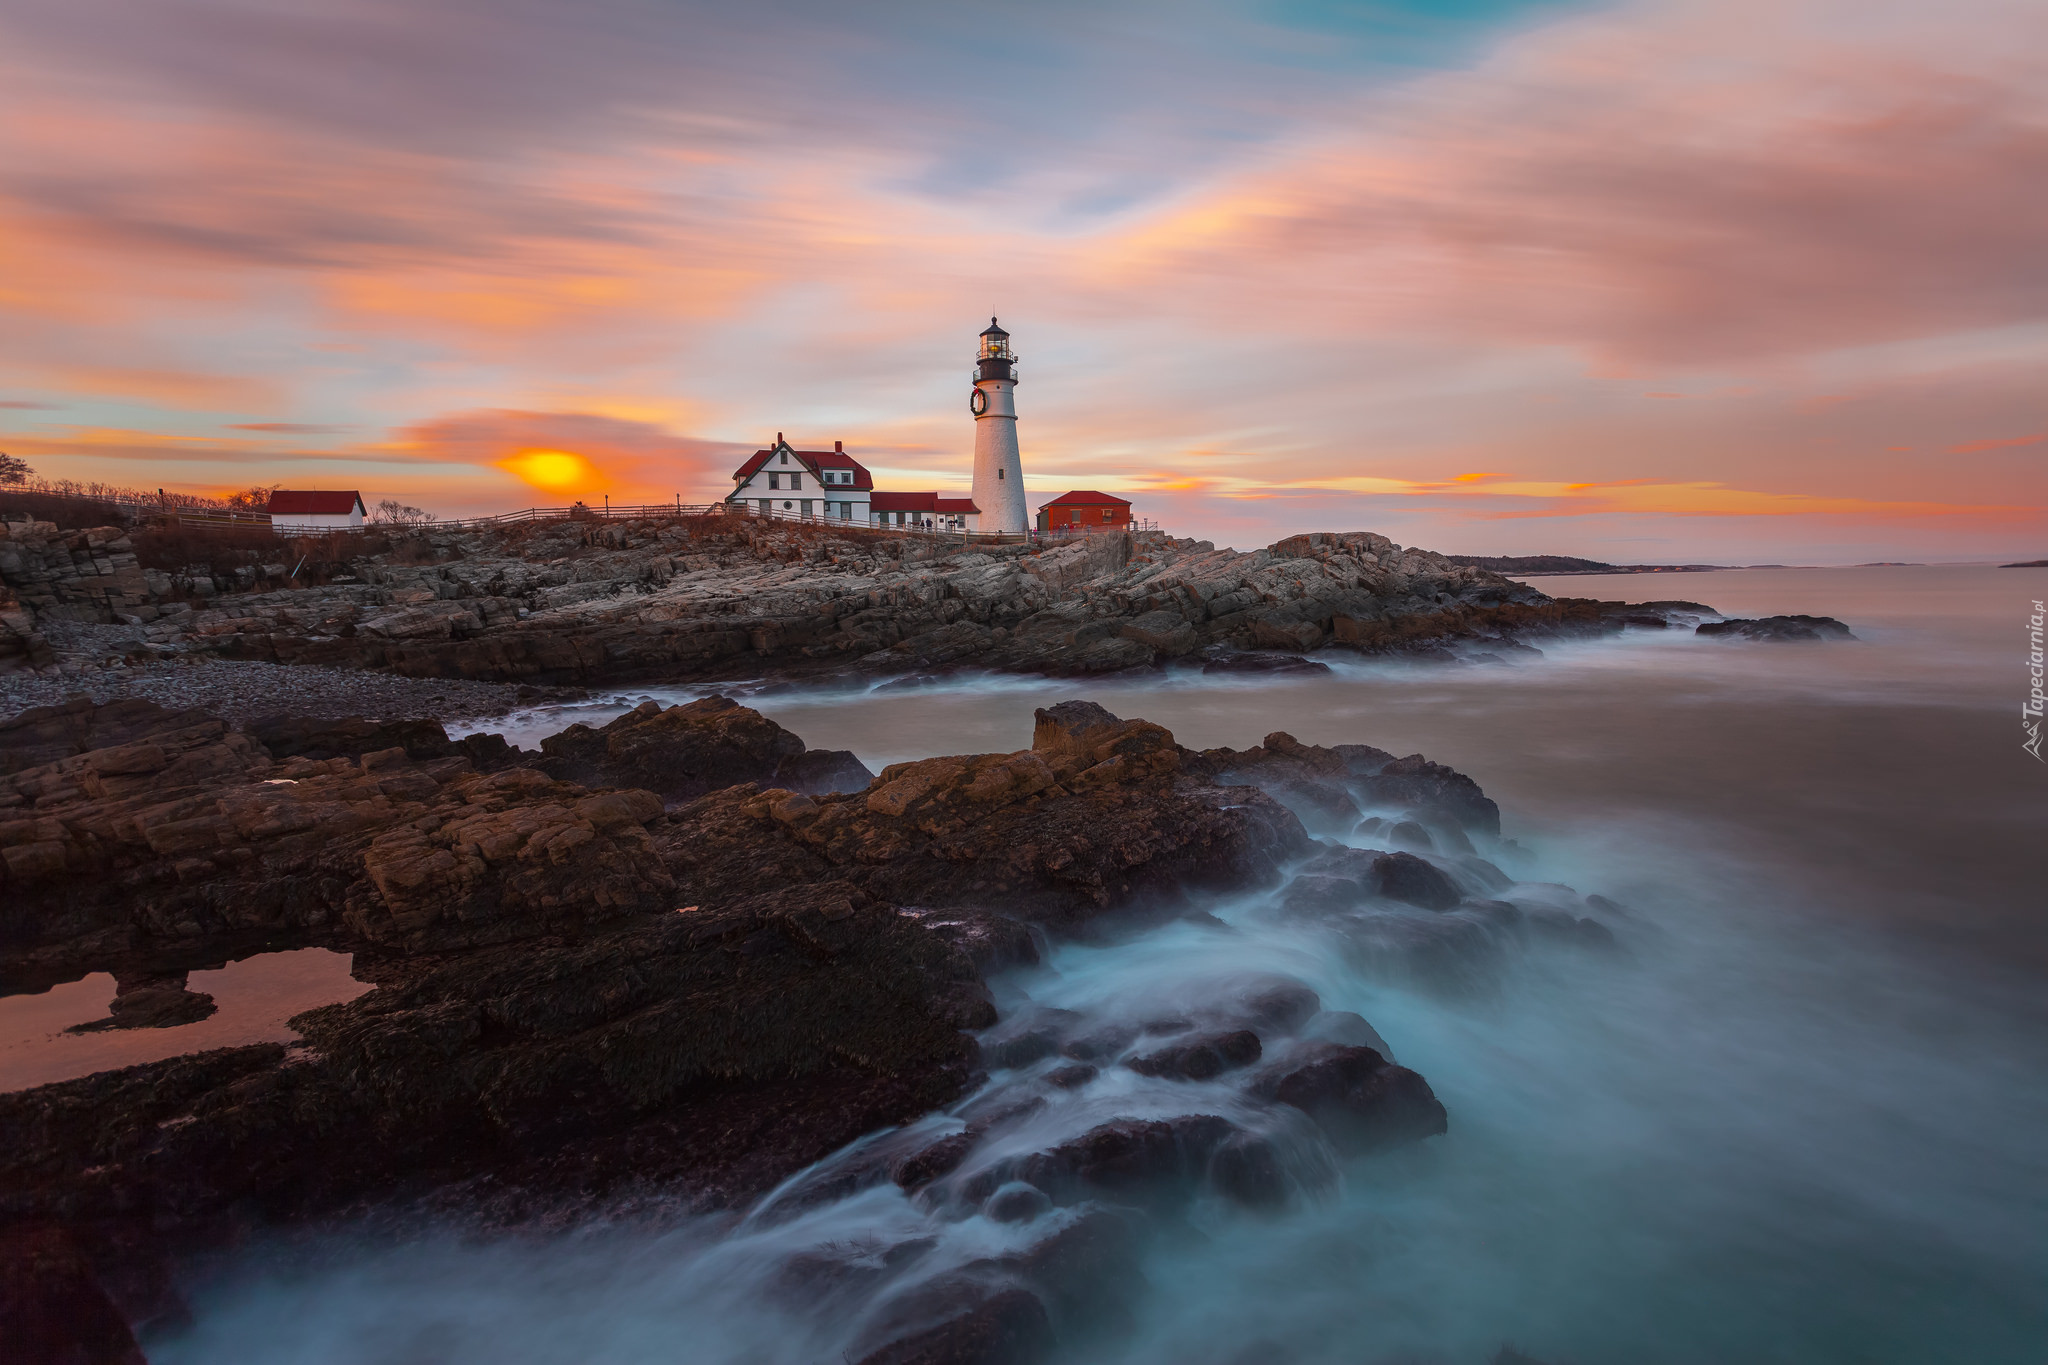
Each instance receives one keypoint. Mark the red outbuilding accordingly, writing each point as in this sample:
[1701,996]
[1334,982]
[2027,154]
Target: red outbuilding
[1084,510]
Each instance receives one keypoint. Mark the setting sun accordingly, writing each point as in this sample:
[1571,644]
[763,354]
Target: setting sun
[557,471]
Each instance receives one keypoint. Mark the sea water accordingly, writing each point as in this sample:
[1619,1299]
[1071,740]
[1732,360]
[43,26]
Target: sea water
[1800,1117]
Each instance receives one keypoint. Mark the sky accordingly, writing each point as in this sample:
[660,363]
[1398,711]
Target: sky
[1719,281]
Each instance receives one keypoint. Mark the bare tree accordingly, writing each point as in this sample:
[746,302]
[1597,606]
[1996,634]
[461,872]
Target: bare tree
[392,512]
[254,499]
[13,469]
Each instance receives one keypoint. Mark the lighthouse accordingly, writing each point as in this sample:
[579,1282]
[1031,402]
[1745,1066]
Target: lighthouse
[998,469]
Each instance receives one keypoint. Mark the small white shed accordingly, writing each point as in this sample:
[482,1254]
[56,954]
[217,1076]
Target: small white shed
[315,510]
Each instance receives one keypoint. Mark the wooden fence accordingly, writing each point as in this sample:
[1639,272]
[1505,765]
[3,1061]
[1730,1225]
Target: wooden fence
[224,519]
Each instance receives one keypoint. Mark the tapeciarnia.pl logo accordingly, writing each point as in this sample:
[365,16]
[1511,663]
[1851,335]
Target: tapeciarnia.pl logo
[2030,714]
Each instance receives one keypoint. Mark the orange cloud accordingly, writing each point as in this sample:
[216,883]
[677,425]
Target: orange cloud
[578,454]
[1972,447]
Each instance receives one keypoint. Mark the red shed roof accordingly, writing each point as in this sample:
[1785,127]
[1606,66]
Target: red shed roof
[814,460]
[1082,497]
[297,502]
[921,502]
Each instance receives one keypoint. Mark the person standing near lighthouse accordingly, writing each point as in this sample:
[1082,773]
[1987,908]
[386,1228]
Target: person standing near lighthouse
[998,468]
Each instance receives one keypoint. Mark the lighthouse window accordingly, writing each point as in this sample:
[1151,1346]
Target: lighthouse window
[999,473]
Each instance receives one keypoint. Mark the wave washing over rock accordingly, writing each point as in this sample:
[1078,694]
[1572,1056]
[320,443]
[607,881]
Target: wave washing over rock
[791,1004]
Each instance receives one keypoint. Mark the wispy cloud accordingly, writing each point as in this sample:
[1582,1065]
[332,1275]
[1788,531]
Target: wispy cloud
[1250,265]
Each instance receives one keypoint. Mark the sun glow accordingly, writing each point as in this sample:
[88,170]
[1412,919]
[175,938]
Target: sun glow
[556,471]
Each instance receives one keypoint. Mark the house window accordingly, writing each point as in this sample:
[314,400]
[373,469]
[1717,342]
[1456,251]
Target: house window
[796,481]
[785,457]
[1108,512]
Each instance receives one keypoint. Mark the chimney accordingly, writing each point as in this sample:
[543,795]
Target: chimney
[839,447]
[778,438]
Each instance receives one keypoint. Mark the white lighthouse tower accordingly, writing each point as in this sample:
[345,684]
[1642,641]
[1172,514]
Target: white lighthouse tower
[998,468]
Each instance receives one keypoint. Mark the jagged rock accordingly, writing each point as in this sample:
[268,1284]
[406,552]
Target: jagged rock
[286,736]
[197,839]
[677,1028]
[1405,877]
[1363,1101]
[1097,815]
[151,1000]
[683,752]
[1200,1058]
[1778,629]
[1155,1162]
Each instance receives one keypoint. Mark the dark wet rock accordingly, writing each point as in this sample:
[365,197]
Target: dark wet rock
[1405,877]
[54,1309]
[1072,1077]
[1246,1169]
[286,736]
[1363,1101]
[1018,1049]
[1200,1058]
[1232,661]
[1339,879]
[924,1166]
[682,752]
[1778,629]
[1099,1044]
[978,1325]
[1141,1161]
[151,1001]
[48,735]
[1409,835]
[1415,783]
[824,771]
[1097,815]
[1017,1203]
[717,1051]
[196,840]
[1274,1004]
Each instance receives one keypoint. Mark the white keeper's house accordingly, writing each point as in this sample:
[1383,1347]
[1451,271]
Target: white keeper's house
[782,481]
[785,481]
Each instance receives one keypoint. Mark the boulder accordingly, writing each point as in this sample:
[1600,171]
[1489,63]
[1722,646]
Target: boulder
[682,752]
[1777,629]
[1363,1101]
[1097,815]
[1200,1058]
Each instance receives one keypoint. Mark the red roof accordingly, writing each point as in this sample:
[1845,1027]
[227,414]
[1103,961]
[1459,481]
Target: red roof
[921,502]
[814,460]
[295,502]
[1081,497]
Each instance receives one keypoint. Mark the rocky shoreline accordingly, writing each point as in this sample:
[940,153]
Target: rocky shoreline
[579,603]
[684,954]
